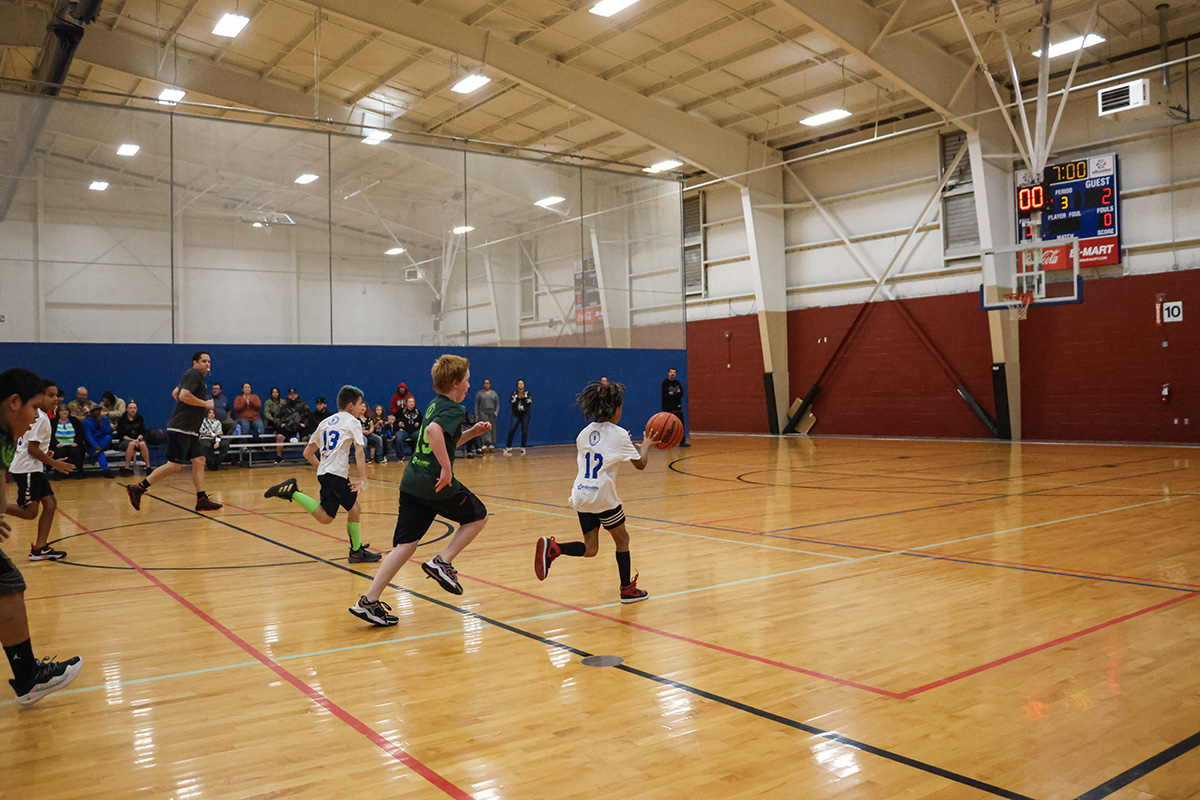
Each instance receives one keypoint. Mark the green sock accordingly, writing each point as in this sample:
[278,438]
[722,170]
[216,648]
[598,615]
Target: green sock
[307,503]
[355,539]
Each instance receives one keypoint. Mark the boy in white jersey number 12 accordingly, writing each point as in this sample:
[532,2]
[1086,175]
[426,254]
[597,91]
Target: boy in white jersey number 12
[602,446]
[333,438]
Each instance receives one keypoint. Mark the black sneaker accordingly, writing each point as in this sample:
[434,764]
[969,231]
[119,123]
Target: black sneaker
[375,613]
[45,553]
[284,490]
[630,593]
[206,503]
[135,493]
[444,574]
[547,550]
[363,556]
[50,676]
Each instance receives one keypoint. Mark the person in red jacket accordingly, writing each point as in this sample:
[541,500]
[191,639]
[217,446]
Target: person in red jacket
[398,399]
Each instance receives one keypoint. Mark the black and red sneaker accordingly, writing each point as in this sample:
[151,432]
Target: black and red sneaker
[135,493]
[547,551]
[630,593]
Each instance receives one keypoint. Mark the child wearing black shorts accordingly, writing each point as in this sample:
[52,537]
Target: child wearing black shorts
[429,489]
[601,447]
[333,437]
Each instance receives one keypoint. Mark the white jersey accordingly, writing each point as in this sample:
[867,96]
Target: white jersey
[601,446]
[334,436]
[38,432]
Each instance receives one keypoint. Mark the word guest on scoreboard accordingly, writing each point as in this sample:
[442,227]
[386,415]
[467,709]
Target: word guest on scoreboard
[1077,199]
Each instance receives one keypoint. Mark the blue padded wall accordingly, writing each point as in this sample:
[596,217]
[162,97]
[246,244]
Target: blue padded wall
[148,373]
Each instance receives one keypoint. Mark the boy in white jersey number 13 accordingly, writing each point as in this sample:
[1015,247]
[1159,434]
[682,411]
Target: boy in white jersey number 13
[602,446]
[333,438]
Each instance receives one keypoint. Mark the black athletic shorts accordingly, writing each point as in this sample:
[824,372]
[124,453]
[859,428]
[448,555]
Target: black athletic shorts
[336,493]
[31,487]
[11,581]
[416,514]
[609,519]
[183,447]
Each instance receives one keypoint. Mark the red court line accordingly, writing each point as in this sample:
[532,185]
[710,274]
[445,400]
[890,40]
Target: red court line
[790,667]
[1044,646]
[345,716]
[80,594]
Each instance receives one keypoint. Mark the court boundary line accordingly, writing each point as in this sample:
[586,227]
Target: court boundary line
[1142,768]
[313,695]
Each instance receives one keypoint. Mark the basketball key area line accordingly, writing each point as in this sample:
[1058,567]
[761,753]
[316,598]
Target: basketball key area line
[434,778]
[1099,792]
[594,611]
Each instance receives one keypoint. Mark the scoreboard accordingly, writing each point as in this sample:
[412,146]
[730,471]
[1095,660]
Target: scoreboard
[1077,199]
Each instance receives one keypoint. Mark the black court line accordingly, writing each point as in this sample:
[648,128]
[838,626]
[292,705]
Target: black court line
[1143,769]
[716,698]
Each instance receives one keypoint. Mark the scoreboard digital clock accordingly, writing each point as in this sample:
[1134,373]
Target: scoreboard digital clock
[1078,199]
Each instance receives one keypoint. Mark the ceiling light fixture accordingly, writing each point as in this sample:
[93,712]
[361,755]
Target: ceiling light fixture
[170,97]
[258,224]
[606,8]
[395,251]
[98,186]
[128,150]
[306,178]
[470,84]
[825,117]
[463,229]
[375,137]
[1071,45]
[230,25]
[663,166]
[552,200]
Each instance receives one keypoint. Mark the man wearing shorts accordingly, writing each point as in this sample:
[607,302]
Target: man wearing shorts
[183,435]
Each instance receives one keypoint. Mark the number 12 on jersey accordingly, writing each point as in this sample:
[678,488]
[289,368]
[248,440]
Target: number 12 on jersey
[592,472]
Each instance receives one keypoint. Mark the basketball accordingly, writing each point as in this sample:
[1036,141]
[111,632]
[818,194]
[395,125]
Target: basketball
[667,428]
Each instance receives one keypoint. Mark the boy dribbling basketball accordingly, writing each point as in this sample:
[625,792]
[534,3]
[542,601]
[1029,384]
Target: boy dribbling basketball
[333,437]
[601,447]
[429,489]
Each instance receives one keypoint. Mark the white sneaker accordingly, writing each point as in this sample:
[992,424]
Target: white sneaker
[522,451]
[508,451]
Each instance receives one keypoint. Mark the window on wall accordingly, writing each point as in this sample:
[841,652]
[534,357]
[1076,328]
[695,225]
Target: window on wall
[528,278]
[960,226]
[693,246]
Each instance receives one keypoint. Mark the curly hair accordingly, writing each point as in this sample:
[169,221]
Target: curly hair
[599,401]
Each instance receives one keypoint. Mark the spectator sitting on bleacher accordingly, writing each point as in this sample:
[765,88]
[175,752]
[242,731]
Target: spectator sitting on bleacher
[378,434]
[408,427]
[221,407]
[400,397]
[319,414]
[80,407]
[99,433]
[65,446]
[131,431]
[114,407]
[293,415]
[247,407]
[271,410]
[211,443]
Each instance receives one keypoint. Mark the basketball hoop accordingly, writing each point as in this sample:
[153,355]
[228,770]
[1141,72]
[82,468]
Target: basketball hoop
[1018,304]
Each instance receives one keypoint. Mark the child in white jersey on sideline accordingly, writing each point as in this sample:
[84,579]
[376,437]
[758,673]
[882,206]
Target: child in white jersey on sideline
[601,446]
[333,437]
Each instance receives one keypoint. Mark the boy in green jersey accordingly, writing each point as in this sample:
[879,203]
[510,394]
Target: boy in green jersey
[429,489]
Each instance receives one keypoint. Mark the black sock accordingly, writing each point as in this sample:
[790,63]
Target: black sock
[201,495]
[144,485]
[20,657]
[573,548]
[623,566]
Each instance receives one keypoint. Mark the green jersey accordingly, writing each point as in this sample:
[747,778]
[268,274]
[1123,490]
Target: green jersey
[8,451]
[423,471]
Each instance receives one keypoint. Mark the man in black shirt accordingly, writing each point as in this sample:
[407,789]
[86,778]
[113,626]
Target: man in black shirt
[131,431]
[183,434]
[672,399]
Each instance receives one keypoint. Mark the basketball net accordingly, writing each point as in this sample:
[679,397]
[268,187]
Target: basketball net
[1018,304]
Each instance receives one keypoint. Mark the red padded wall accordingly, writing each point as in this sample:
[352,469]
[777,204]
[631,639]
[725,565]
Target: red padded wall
[725,367]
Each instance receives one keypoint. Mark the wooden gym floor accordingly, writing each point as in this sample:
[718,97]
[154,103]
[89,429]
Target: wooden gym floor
[829,618]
